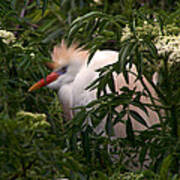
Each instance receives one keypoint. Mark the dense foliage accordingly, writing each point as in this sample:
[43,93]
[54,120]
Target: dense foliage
[35,141]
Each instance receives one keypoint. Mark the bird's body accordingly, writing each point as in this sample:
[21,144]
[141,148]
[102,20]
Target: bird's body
[88,74]
[74,93]
[79,74]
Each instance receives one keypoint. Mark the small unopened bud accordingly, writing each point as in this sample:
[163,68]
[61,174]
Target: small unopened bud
[32,55]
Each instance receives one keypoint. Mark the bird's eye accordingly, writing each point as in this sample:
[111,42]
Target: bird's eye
[62,70]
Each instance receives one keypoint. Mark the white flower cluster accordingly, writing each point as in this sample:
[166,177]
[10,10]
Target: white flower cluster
[169,44]
[32,55]
[31,115]
[35,120]
[7,36]
[126,33]
[140,31]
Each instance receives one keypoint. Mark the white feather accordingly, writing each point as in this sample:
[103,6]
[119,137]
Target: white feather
[72,85]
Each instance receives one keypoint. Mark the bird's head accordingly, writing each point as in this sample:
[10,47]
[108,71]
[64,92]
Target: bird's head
[66,63]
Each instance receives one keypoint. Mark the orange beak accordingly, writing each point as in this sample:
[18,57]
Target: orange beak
[43,82]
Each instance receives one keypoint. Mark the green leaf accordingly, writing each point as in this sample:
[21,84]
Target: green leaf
[87,16]
[129,130]
[126,76]
[52,36]
[137,117]
[111,83]
[13,4]
[143,153]
[92,52]
[164,171]
[141,106]
[38,3]
[86,144]
[45,3]
[73,141]
[47,26]
[109,125]
[99,175]
[139,57]
[119,117]
[74,29]
[80,117]
[151,48]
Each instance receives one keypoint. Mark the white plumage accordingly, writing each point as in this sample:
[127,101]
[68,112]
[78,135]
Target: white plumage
[71,85]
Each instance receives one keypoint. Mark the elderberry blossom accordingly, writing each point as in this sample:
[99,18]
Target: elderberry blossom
[7,36]
[169,45]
